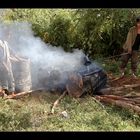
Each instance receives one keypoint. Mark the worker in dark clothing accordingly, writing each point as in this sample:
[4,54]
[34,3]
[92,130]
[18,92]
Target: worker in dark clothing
[131,47]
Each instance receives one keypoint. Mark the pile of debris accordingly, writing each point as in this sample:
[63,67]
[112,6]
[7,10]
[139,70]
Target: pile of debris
[123,92]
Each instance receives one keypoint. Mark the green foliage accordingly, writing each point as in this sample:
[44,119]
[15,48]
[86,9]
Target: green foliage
[34,16]
[96,31]
[111,66]
[59,32]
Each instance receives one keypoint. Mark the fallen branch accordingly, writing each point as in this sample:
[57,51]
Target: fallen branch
[57,101]
[114,97]
[112,80]
[110,90]
[119,103]
[126,86]
[21,94]
[18,95]
[132,96]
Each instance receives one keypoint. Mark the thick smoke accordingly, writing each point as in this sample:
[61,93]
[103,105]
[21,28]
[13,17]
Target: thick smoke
[2,12]
[44,57]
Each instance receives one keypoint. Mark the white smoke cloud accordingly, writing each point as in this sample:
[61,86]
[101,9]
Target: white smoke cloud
[42,56]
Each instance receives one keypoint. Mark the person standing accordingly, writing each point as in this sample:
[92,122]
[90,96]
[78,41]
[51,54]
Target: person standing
[131,48]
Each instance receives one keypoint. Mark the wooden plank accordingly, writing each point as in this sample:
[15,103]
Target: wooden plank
[18,95]
[57,101]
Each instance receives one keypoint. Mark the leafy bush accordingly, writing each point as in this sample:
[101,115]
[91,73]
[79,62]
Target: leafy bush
[59,32]
[96,31]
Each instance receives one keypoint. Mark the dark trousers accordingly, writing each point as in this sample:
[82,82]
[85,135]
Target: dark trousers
[134,61]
